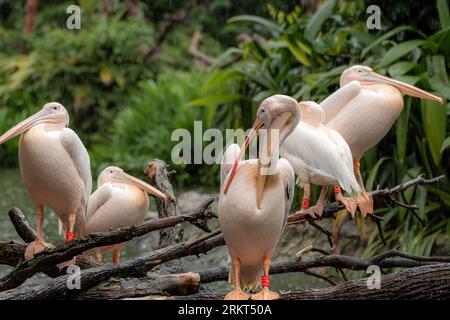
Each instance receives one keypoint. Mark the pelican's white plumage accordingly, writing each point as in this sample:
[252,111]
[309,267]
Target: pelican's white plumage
[363,110]
[119,201]
[55,169]
[318,154]
[254,205]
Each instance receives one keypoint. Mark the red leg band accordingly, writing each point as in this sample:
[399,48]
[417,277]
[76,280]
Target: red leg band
[265,282]
[70,236]
[305,203]
[337,189]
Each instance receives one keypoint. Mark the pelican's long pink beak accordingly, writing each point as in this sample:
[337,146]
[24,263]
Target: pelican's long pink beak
[404,87]
[143,185]
[22,126]
[256,126]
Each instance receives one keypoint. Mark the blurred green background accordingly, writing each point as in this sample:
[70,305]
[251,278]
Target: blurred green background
[131,76]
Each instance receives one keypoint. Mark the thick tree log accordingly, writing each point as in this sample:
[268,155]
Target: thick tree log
[388,259]
[159,176]
[137,267]
[65,252]
[11,252]
[425,282]
[177,284]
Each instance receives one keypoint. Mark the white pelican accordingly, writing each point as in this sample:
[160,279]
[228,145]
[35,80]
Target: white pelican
[120,200]
[254,205]
[55,169]
[365,120]
[319,155]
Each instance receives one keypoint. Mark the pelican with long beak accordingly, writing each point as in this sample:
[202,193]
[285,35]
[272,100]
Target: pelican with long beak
[367,117]
[255,198]
[55,169]
[120,200]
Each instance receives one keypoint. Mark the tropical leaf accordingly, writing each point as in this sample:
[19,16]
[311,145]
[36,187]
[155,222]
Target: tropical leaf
[445,144]
[399,50]
[401,132]
[435,123]
[271,26]
[214,100]
[401,68]
[384,37]
[317,20]
[444,16]
[373,173]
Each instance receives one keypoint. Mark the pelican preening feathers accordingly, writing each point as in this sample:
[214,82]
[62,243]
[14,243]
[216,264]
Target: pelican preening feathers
[120,200]
[320,143]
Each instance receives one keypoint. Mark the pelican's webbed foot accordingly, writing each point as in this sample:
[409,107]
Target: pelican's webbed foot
[35,247]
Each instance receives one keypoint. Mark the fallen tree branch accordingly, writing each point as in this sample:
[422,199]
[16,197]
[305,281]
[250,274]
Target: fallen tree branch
[424,282]
[388,259]
[176,284]
[65,252]
[333,207]
[57,288]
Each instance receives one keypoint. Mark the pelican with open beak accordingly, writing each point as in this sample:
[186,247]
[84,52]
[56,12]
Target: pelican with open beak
[120,200]
[255,198]
[363,110]
[55,169]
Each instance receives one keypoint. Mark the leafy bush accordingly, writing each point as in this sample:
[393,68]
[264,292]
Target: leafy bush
[142,130]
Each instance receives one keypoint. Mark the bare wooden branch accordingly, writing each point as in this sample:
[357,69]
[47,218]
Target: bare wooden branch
[333,207]
[22,225]
[388,259]
[176,284]
[136,267]
[65,252]
[171,20]
[158,175]
[426,282]
[202,59]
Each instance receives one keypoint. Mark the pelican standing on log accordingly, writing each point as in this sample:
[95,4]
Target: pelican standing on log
[253,204]
[319,155]
[120,200]
[364,120]
[55,169]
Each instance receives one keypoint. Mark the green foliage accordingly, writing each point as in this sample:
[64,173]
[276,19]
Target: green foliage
[303,56]
[143,129]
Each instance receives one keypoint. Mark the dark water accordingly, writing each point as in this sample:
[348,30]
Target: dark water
[14,194]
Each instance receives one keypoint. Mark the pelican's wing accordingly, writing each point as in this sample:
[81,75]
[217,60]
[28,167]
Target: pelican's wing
[228,159]
[287,173]
[102,195]
[80,157]
[334,103]
[322,152]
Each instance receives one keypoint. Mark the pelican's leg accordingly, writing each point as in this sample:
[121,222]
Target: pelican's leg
[116,256]
[265,293]
[305,200]
[237,293]
[98,256]
[365,201]
[316,210]
[70,235]
[350,204]
[39,244]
